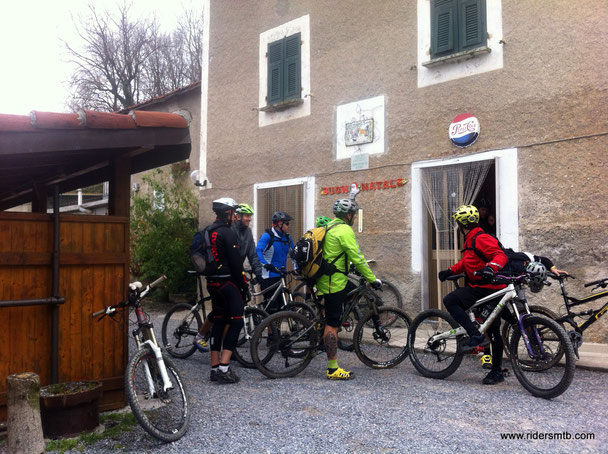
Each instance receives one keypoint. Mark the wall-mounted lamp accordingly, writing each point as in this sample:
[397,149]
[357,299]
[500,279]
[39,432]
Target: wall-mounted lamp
[198,179]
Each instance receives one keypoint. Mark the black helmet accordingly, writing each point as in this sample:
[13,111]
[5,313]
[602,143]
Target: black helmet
[280,216]
[221,206]
[483,203]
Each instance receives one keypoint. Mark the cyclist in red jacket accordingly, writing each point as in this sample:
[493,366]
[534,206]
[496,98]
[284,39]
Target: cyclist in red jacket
[479,274]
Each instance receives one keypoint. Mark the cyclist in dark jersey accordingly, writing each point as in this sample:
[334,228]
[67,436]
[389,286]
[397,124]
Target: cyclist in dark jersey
[228,289]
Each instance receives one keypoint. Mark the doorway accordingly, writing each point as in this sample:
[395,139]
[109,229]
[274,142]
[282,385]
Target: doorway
[438,187]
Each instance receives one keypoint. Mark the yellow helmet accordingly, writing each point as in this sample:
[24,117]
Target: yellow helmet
[466,215]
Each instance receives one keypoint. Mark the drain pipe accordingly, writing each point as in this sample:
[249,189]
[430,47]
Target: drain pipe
[55,291]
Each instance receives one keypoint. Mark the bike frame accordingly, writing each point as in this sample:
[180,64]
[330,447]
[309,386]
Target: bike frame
[509,294]
[570,302]
[348,307]
[280,288]
[144,334]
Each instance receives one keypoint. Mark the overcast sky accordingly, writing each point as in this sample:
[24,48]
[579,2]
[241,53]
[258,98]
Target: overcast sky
[33,68]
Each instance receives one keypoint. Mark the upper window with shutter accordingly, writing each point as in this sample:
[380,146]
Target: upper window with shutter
[284,70]
[457,26]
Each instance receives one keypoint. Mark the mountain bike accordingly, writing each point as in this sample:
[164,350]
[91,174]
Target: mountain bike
[154,389]
[588,317]
[285,343]
[436,341]
[390,297]
[183,321]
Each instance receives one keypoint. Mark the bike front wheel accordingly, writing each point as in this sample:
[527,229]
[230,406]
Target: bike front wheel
[506,330]
[380,344]
[179,329]
[283,344]
[534,362]
[434,358]
[164,414]
[251,319]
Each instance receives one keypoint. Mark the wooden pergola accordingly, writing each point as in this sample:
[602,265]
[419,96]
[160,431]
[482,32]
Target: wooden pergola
[55,270]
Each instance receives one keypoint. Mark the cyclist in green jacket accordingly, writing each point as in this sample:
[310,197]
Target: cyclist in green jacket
[340,248]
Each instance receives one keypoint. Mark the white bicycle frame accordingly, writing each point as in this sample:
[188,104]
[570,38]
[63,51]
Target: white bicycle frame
[508,293]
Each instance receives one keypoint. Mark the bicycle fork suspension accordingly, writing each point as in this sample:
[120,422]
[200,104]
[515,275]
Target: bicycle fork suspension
[167,385]
[527,339]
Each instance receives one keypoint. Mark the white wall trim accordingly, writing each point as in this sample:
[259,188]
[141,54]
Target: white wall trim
[309,199]
[300,25]
[506,205]
[202,165]
[456,70]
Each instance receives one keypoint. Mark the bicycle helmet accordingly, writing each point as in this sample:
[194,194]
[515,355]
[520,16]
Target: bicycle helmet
[280,216]
[537,274]
[345,206]
[223,205]
[466,215]
[322,221]
[244,208]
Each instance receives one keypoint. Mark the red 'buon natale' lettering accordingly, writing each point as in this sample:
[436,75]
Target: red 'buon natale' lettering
[462,128]
[372,186]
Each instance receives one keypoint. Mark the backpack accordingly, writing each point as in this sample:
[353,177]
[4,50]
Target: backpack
[200,253]
[271,235]
[308,254]
[516,261]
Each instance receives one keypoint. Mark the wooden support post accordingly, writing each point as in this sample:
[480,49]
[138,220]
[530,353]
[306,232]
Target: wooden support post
[120,187]
[23,406]
[39,198]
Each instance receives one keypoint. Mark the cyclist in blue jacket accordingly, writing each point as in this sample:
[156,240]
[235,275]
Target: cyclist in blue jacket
[273,249]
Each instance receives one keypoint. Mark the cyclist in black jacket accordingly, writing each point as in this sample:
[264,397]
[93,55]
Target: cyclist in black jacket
[228,290]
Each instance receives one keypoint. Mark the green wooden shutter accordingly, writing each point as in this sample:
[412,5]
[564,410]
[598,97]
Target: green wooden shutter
[275,73]
[472,24]
[292,67]
[443,27]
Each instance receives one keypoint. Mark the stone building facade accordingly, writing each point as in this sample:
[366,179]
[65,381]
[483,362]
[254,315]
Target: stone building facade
[534,76]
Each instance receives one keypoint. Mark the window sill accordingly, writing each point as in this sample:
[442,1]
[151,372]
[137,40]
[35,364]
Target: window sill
[281,105]
[458,57]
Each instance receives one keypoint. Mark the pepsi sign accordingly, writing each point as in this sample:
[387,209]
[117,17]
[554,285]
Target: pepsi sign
[464,130]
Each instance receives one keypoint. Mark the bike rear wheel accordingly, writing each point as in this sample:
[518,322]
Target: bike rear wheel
[163,414]
[283,344]
[391,295]
[440,358]
[252,317]
[346,334]
[179,329]
[381,345]
[536,368]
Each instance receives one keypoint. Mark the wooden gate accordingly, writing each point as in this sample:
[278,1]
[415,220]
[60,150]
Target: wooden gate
[93,273]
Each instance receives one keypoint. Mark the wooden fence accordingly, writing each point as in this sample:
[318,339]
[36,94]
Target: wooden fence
[93,273]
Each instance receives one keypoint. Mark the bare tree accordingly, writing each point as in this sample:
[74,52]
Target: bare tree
[122,61]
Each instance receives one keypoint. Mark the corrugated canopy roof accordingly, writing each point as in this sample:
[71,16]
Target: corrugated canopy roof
[76,150]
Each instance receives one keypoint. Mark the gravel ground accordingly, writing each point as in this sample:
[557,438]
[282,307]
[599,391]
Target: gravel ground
[381,411]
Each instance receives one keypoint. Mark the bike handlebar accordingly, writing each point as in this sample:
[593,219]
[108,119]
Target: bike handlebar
[600,283]
[158,281]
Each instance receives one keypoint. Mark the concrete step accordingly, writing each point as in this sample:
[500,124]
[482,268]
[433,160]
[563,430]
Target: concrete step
[593,356]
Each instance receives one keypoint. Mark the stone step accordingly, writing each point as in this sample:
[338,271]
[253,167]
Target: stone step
[593,356]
